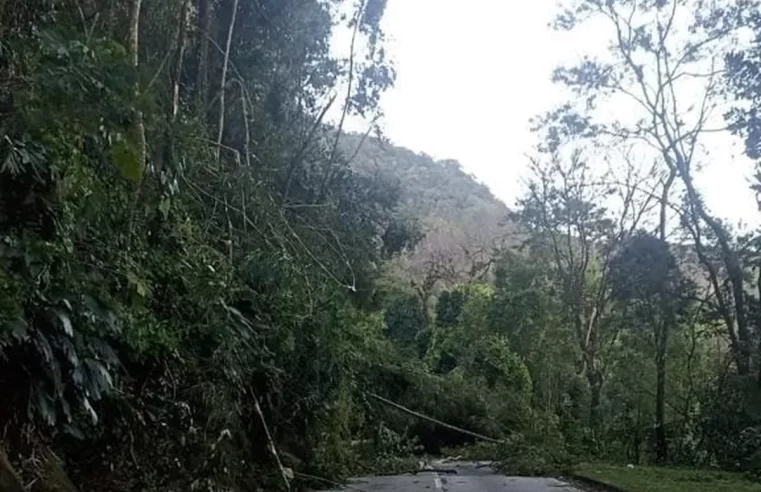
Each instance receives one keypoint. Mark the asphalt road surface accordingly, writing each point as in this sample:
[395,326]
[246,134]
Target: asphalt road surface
[470,477]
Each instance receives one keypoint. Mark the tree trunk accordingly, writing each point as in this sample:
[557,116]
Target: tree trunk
[661,446]
[3,6]
[742,350]
[202,76]
[587,334]
[664,202]
[134,46]
[661,343]
[133,40]
[637,436]
[223,83]
[758,326]
[595,389]
[181,41]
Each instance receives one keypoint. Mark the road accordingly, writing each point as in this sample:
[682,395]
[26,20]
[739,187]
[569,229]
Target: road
[470,477]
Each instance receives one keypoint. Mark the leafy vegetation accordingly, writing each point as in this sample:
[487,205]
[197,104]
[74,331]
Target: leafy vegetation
[183,277]
[659,479]
[461,221]
[204,286]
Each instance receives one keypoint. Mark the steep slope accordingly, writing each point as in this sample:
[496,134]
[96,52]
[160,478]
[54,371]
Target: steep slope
[462,220]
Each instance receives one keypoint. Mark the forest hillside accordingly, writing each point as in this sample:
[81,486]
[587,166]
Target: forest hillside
[461,222]
[206,286]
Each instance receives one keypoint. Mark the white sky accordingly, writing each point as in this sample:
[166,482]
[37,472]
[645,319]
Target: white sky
[471,73]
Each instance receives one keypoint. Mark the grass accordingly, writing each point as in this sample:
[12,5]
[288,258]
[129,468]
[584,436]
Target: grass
[658,479]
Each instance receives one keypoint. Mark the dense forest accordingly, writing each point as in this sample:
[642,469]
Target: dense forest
[204,285]
[456,222]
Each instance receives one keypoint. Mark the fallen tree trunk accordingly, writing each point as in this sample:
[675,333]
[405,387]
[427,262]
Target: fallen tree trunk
[431,419]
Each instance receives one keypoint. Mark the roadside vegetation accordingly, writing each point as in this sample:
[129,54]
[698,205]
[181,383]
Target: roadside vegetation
[205,286]
[660,479]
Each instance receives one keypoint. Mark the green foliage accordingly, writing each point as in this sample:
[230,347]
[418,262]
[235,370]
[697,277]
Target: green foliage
[462,222]
[644,269]
[126,157]
[658,479]
[655,314]
[477,351]
[532,456]
[731,422]
[449,306]
[401,235]
[405,320]
[187,300]
[146,307]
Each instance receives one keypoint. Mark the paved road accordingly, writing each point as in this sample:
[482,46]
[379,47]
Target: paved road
[469,478]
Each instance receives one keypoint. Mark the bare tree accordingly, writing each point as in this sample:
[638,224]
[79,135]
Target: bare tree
[565,216]
[662,52]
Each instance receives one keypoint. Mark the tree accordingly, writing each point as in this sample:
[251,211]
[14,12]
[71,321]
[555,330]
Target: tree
[566,220]
[660,51]
[449,307]
[646,278]
[405,320]
[743,67]
[527,308]
[128,247]
[139,127]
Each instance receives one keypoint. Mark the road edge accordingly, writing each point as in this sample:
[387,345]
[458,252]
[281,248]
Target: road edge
[596,485]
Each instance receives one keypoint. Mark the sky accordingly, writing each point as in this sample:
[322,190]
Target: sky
[472,73]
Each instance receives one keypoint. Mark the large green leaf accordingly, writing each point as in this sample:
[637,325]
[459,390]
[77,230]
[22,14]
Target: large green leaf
[127,158]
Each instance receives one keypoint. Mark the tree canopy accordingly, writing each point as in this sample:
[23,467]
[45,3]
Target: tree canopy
[200,271]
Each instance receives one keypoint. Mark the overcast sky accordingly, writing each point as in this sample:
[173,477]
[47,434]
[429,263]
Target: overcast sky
[471,73]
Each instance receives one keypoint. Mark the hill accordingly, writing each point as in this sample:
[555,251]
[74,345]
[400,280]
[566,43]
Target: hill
[462,220]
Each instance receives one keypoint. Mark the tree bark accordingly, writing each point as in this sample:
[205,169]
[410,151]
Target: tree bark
[661,335]
[431,419]
[3,6]
[664,202]
[223,82]
[202,76]
[134,46]
[587,337]
[637,436]
[661,446]
[742,350]
[329,168]
[758,326]
[133,40]
[181,41]
[595,389]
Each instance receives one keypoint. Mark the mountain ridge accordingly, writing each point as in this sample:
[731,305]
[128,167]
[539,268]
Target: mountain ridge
[462,220]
